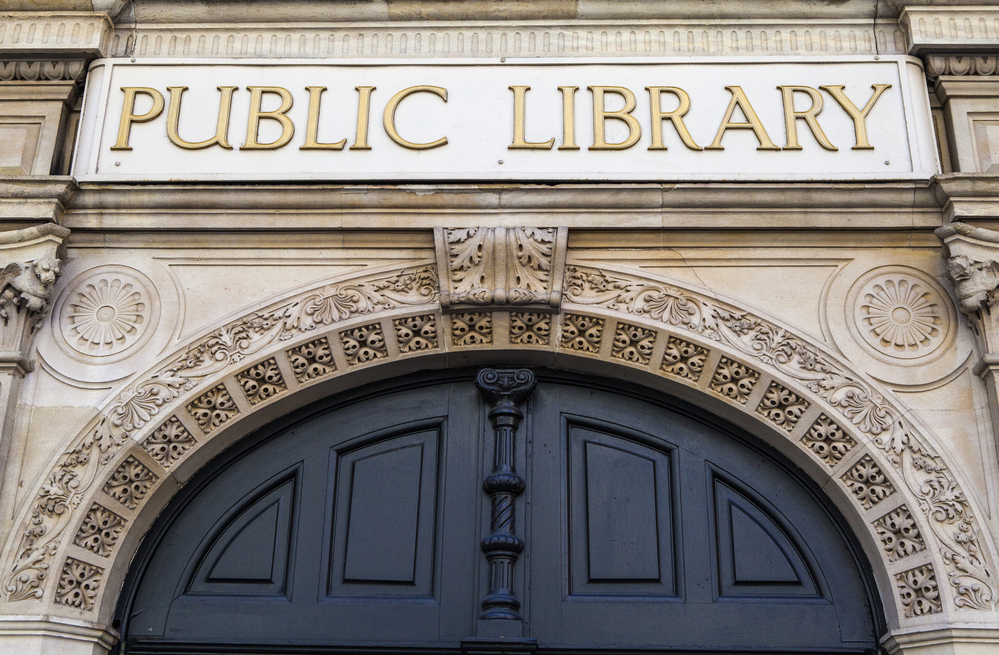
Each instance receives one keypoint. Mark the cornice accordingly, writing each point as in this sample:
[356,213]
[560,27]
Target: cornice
[598,206]
[54,35]
[525,38]
[968,197]
[951,30]
[34,199]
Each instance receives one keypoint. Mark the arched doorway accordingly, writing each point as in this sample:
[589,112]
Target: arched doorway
[356,525]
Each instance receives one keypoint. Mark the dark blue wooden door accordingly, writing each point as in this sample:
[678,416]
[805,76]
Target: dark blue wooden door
[356,526]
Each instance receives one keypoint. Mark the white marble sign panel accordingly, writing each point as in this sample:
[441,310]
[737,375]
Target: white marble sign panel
[855,118]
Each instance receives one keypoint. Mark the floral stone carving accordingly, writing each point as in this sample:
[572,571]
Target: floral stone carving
[900,313]
[312,360]
[169,442]
[918,592]
[500,266]
[828,440]
[130,483]
[899,534]
[78,584]
[364,344]
[29,268]
[582,333]
[100,530]
[416,333]
[105,312]
[261,381]
[136,406]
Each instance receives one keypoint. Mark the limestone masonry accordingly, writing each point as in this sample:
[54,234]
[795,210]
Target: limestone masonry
[783,212]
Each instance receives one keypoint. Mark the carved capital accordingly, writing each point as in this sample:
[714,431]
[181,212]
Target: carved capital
[499,266]
[505,386]
[973,267]
[29,267]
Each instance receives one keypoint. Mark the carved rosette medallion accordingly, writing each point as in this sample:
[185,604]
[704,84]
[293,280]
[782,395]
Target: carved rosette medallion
[900,313]
[105,312]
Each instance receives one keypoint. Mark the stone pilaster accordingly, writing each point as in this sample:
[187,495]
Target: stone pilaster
[973,265]
[29,266]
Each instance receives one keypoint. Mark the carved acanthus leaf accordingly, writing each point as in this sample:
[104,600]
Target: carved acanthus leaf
[501,266]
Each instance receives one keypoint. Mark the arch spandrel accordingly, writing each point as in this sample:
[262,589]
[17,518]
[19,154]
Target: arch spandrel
[905,503]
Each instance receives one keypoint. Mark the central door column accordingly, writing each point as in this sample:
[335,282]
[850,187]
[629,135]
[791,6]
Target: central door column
[503,389]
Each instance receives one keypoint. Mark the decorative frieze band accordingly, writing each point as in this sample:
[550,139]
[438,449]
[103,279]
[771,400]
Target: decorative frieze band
[937,65]
[522,39]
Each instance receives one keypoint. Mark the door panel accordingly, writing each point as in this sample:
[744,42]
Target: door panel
[385,518]
[620,527]
[647,526]
[749,577]
[369,485]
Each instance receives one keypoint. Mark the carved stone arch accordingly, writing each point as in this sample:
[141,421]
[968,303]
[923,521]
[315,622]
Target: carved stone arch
[75,538]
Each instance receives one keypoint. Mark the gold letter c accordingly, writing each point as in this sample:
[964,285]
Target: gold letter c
[388,118]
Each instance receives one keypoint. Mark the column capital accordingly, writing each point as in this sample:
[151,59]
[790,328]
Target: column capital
[29,267]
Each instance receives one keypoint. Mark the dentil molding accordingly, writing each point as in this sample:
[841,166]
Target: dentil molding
[60,35]
[949,29]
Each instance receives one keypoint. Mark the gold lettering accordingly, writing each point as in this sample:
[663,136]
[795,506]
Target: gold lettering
[753,123]
[312,127]
[791,117]
[388,118]
[128,115]
[568,117]
[256,114]
[519,109]
[363,113]
[859,116]
[221,126]
[600,114]
[658,116]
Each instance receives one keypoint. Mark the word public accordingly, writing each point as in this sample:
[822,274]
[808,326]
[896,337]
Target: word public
[626,116]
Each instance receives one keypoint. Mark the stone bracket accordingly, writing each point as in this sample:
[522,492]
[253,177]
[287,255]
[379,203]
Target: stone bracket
[502,267]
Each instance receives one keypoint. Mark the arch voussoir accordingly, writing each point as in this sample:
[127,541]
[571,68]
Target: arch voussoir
[906,504]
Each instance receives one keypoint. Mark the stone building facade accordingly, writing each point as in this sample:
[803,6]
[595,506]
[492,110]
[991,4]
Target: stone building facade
[151,319]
